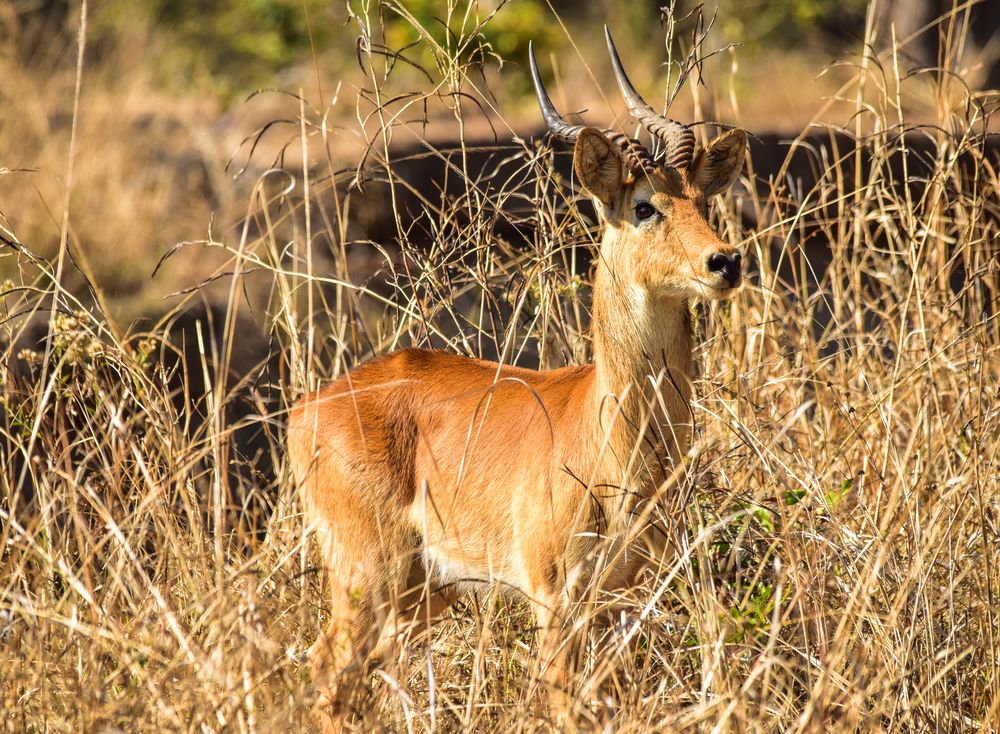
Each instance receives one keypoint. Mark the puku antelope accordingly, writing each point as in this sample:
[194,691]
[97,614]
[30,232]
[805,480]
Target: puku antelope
[422,470]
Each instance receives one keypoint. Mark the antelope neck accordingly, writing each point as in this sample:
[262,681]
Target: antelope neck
[640,342]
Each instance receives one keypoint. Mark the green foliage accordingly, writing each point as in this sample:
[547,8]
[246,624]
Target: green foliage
[835,496]
[469,31]
[232,46]
[794,496]
[831,499]
[227,46]
[796,24]
[753,617]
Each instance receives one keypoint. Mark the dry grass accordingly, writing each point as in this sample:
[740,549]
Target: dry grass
[840,564]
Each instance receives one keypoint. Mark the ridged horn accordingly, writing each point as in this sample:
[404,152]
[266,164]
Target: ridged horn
[559,127]
[676,137]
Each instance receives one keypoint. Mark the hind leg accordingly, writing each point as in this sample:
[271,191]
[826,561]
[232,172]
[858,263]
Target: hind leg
[552,654]
[551,602]
[362,563]
[414,605]
[378,596]
[339,656]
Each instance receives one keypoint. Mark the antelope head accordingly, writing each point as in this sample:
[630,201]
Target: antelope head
[655,206]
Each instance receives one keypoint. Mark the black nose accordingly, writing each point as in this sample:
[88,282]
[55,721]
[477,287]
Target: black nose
[726,264]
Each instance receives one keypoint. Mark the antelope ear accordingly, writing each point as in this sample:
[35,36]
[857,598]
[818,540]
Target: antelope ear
[598,165]
[717,165]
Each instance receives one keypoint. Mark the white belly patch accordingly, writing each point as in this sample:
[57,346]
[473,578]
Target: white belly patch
[448,569]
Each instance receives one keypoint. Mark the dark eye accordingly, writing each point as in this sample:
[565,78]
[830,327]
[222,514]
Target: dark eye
[644,210]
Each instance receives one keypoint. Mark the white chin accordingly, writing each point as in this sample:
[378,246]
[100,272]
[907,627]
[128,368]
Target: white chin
[711,292]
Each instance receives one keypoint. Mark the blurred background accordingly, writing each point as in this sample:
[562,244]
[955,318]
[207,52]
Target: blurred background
[174,93]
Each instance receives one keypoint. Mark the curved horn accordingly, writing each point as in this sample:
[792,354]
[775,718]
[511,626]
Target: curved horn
[678,139]
[559,127]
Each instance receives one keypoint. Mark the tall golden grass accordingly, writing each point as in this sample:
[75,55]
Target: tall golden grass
[839,565]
